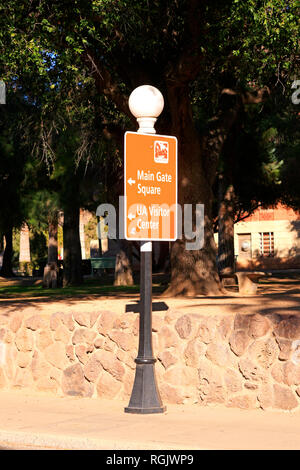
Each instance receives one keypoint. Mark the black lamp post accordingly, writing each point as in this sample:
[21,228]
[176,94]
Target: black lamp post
[146,103]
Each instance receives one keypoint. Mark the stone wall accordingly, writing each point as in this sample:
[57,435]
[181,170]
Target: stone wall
[244,361]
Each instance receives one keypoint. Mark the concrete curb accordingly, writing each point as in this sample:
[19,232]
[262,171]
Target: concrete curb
[43,441]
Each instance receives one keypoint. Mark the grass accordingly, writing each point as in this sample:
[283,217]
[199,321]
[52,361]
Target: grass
[91,287]
[27,288]
[86,290]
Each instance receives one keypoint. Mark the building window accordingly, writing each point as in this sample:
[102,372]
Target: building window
[244,244]
[266,246]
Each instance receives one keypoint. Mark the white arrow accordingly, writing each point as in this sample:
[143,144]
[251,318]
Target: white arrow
[132,231]
[131,181]
[131,216]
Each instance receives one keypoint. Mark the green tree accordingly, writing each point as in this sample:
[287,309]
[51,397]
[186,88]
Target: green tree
[13,157]
[209,56]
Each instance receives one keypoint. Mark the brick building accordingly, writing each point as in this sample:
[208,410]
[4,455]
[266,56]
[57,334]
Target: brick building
[268,239]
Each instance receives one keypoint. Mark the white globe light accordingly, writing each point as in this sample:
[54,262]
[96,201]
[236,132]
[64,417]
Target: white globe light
[146,101]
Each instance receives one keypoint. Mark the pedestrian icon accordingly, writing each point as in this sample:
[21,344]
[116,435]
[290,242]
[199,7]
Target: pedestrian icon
[161,152]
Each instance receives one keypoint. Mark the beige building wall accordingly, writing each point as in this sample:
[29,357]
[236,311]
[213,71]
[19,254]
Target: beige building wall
[24,255]
[286,236]
[283,224]
[82,238]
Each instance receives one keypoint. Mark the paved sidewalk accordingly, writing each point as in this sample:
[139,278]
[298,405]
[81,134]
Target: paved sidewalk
[41,421]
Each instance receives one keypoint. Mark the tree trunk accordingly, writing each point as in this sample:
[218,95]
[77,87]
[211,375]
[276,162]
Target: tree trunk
[52,245]
[50,276]
[6,270]
[226,227]
[99,238]
[123,270]
[1,243]
[163,257]
[192,272]
[72,248]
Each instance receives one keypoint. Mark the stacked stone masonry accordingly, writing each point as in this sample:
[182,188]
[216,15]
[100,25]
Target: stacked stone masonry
[240,361]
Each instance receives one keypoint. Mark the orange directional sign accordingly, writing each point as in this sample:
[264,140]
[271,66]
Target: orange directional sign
[150,182]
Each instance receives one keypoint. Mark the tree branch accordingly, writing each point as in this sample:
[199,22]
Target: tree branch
[220,126]
[239,217]
[188,65]
[106,84]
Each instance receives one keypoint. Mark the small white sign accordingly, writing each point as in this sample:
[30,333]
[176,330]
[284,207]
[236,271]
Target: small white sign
[2,92]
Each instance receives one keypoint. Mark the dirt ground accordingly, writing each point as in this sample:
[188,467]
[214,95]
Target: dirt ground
[276,294]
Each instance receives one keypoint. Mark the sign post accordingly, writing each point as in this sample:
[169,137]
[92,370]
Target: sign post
[150,187]
[150,177]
